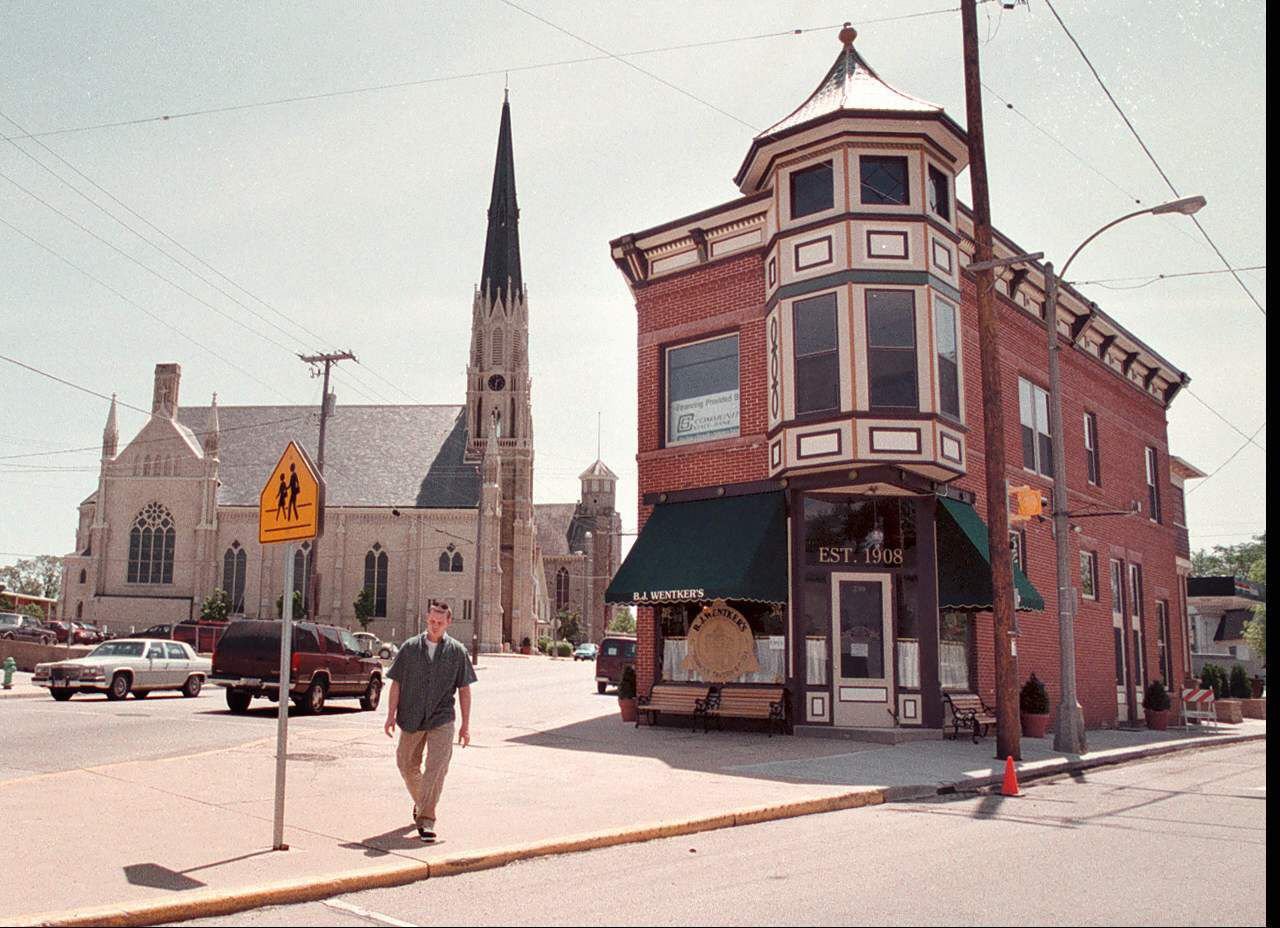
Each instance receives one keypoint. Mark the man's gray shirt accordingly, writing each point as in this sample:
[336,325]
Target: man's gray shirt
[427,684]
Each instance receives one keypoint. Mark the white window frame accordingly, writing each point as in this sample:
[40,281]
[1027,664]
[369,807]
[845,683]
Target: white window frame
[1033,412]
[1091,559]
[1154,503]
[1093,467]
[667,440]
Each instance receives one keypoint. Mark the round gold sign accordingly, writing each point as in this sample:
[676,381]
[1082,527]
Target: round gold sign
[721,646]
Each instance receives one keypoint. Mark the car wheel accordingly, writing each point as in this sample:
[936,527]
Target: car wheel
[62,695]
[191,688]
[141,694]
[7,636]
[120,686]
[600,687]
[238,701]
[373,695]
[312,700]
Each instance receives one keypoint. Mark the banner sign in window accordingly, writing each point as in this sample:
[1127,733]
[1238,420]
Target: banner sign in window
[704,417]
[702,390]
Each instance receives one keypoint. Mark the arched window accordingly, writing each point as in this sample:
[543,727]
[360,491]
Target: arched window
[234,563]
[79,610]
[480,349]
[151,542]
[562,589]
[455,565]
[375,579]
[497,348]
[446,558]
[82,575]
[302,568]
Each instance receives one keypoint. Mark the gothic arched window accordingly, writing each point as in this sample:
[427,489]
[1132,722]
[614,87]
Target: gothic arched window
[79,610]
[375,579]
[302,568]
[151,542]
[82,575]
[455,565]
[562,589]
[234,564]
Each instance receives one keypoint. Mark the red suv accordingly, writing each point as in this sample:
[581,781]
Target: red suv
[326,662]
[617,653]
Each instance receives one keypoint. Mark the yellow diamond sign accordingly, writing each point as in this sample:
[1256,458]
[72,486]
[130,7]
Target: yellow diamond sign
[291,507]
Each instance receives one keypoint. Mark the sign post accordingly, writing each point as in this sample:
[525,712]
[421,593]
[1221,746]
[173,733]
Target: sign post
[291,508]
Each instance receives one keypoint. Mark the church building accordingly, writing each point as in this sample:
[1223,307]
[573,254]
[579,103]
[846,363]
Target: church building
[174,515]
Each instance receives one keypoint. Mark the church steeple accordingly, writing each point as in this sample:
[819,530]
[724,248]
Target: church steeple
[111,433]
[501,273]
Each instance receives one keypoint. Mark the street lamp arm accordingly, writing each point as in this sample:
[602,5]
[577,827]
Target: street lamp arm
[1187,206]
[1062,274]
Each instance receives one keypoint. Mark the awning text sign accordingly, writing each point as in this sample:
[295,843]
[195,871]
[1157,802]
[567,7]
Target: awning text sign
[668,596]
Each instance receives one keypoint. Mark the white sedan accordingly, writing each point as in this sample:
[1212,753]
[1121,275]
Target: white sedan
[127,665]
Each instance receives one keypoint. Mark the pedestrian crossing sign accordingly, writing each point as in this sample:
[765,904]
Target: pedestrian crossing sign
[291,507]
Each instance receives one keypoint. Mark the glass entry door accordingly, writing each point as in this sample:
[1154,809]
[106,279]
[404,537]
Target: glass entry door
[862,665]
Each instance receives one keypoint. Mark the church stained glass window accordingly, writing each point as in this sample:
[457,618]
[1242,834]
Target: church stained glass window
[151,543]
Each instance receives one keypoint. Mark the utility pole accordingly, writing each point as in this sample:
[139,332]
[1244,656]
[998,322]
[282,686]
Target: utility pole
[328,360]
[1008,728]
[1068,735]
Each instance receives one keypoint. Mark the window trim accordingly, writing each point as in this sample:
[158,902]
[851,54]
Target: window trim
[1042,468]
[906,179]
[664,409]
[932,171]
[1093,455]
[1151,460]
[1091,559]
[958,416]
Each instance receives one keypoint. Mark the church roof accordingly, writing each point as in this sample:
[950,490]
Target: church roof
[552,521]
[851,84]
[501,273]
[383,456]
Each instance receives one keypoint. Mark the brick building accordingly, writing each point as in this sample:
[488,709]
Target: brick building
[811,435]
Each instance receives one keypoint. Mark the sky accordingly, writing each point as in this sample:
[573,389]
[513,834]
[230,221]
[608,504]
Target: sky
[356,219]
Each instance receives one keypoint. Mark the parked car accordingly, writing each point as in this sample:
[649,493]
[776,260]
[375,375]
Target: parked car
[617,653]
[135,665]
[370,642]
[86,633]
[155,631]
[586,651]
[326,662]
[15,626]
[59,628]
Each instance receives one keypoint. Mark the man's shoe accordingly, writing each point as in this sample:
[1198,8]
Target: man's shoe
[426,834]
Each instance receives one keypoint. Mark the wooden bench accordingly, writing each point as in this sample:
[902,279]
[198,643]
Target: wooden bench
[968,710]
[746,702]
[673,699]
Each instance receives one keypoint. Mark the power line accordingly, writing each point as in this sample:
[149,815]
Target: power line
[1152,158]
[1215,471]
[1235,428]
[68,383]
[1151,280]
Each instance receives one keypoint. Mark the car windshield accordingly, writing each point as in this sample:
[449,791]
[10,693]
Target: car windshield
[9,618]
[119,649]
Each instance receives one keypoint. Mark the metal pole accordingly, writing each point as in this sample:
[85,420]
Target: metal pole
[475,600]
[1009,726]
[282,714]
[1068,735]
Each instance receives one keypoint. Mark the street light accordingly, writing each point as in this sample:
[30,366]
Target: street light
[1068,735]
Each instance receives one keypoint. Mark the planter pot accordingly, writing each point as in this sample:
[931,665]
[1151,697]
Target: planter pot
[1255,688]
[1254,708]
[1034,726]
[628,709]
[1158,719]
[1229,711]
[526,649]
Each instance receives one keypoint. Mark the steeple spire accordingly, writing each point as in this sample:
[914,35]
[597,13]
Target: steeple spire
[501,274]
[212,430]
[111,433]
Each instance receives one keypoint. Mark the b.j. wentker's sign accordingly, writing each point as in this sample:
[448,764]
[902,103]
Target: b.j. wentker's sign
[669,596]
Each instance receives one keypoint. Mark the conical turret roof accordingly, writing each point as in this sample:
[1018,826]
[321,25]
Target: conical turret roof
[501,273]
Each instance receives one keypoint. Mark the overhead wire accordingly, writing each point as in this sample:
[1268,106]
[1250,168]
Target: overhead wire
[1234,454]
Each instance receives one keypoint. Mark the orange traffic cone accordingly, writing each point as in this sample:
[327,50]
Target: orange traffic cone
[1010,785]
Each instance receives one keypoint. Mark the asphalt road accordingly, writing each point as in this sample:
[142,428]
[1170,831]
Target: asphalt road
[1180,840]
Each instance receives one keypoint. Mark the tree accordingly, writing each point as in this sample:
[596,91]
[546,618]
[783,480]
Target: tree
[363,606]
[36,576]
[624,621]
[569,626]
[1232,560]
[297,605]
[216,607]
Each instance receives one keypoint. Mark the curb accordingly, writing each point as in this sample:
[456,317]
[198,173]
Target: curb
[212,903]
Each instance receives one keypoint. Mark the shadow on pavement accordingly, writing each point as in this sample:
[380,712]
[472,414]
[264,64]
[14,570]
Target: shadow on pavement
[156,876]
[404,838]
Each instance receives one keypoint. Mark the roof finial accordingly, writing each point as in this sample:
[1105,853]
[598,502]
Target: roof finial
[848,34]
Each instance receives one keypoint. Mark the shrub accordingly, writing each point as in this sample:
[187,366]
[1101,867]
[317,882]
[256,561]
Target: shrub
[1156,698]
[627,688]
[1213,677]
[564,649]
[1034,699]
[544,644]
[1240,683]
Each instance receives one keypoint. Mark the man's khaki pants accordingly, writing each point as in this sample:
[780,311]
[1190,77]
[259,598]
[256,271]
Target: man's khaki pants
[425,784]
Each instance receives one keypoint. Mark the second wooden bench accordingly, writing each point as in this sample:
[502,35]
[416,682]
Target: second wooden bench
[747,702]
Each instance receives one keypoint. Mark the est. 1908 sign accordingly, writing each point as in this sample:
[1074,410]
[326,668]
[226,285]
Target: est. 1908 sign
[721,645]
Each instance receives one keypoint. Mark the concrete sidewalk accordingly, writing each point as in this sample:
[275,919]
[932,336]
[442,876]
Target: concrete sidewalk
[22,687]
[551,769]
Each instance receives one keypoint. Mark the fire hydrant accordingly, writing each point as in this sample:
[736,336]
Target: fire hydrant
[10,665]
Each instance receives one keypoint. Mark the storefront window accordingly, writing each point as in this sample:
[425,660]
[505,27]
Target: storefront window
[908,634]
[768,628]
[954,648]
[868,532]
[702,390]
[815,625]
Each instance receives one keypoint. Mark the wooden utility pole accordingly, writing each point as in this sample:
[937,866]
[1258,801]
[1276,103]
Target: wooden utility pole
[1009,727]
[328,360]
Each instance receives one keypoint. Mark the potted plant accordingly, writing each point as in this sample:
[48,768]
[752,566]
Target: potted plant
[526,646]
[1256,686]
[627,695]
[1156,702]
[1034,703]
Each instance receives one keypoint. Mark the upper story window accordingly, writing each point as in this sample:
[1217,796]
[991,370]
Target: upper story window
[235,564]
[812,190]
[1088,575]
[375,579]
[884,180]
[1033,412]
[702,390]
[939,193]
[1117,588]
[151,543]
[1153,485]
[1018,548]
[1092,457]
[891,349]
[946,336]
[817,354]
[1135,590]
[450,560]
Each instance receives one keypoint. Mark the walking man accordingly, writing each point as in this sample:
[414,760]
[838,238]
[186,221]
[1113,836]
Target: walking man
[426,673]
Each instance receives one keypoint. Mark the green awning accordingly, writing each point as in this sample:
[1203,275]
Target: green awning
[964,568]
[732,547]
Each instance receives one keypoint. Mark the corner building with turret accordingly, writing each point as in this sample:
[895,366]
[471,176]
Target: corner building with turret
[811,449]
